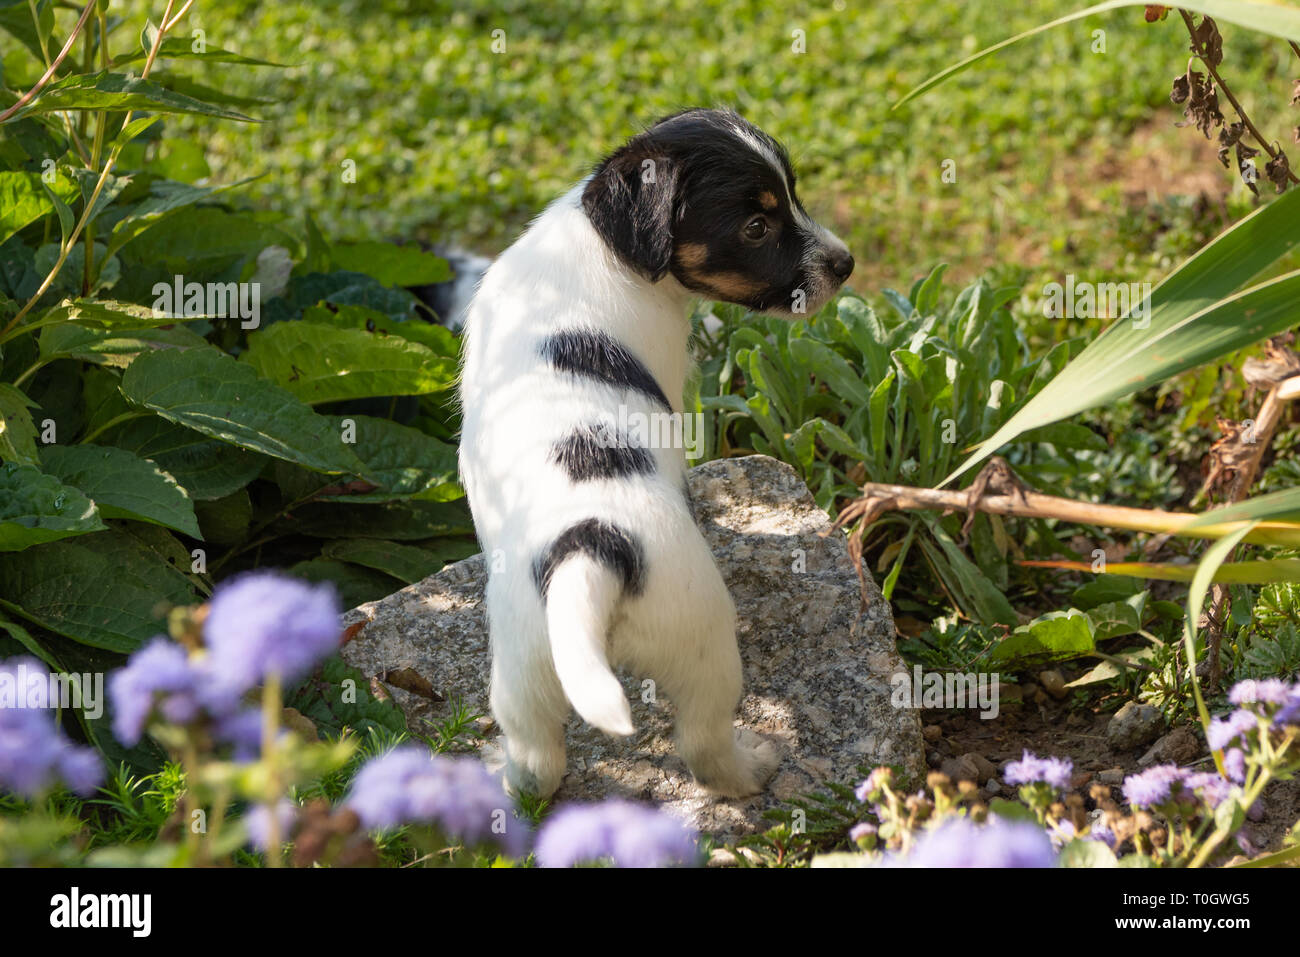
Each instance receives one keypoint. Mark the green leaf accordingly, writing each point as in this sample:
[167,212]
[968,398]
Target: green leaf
[17,430]
[1115,619]
[117,92]
[832,369]
[24,637]
[225,521]
[1283,506]
[102,590]
[1085,853]
[1055,636]
[24,198]
[165,198]
[206,468]
[37,508]
[405,562]
[392,265]
[403,520]
[986,602]
[204,234]
[112,347]
[356,586]
[66,220]
[180,48]
[438,338]
[122,485]
[1278,21]
[208,391]
[16,19]
[1187,323]
[404,462]
[320,363]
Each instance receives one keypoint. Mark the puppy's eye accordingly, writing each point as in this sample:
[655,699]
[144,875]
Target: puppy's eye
[755,229]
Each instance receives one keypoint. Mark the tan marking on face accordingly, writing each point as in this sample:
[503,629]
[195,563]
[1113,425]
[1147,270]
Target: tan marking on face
[768,199]
[731,286]
[692,256]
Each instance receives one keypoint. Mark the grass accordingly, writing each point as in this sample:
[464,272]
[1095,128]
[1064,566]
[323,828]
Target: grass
[453,141]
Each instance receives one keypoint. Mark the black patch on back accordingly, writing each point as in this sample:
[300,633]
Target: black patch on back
[605,543]
[597,356]
[592,452]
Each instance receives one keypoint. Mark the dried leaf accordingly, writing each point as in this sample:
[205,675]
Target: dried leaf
[408,679]
[1154,12]
[1229,136]
[1278,171]
[1207,42]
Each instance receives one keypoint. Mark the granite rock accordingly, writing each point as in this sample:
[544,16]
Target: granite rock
[817,667]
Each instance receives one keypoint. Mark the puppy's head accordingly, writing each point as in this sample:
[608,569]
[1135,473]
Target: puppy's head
[711,198]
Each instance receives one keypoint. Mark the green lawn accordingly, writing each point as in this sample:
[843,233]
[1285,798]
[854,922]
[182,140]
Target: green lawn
[454,141]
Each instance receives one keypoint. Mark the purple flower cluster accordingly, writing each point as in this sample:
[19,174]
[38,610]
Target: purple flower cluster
[958,842]
[629,834]
[258,822]
[34,753]
[1225,732]
[1030,769]
[408,785]
[1272,698]
[258,624]
[1169,787]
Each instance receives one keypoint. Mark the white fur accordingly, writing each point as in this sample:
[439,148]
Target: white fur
[680,629]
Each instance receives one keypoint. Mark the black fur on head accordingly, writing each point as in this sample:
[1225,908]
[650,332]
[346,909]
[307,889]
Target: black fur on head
[709,197]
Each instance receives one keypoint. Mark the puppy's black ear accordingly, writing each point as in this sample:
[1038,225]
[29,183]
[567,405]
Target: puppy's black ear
[631,200]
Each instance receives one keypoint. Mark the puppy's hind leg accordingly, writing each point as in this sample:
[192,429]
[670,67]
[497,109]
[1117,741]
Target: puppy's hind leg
[531,709]
[706,691]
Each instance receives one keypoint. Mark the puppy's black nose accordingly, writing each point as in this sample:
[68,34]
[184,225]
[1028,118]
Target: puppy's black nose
[841,265]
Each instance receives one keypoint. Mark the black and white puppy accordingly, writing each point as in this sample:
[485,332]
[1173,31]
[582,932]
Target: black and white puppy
[594,557]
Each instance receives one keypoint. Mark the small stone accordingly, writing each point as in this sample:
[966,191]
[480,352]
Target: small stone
[1028,688]
[1179,746]
[983,765]
[1081,779]
[931,732]
[1040,697]
[1053,683]
[934,759]
[1112,777]
[1134,725]
[963,768]
[992,786]
[721,857]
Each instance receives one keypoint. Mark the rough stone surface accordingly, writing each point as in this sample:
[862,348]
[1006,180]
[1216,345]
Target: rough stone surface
[1133,726]
[1179,746]
[817,669]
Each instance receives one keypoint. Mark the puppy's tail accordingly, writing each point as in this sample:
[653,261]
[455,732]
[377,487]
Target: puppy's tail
[581,594]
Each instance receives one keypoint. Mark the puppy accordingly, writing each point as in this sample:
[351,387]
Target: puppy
[594,557]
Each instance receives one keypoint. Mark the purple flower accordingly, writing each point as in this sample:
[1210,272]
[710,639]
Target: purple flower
[1289,713]
[633,835]
[159,675]
[1213,789]
[1100,832]
[1030,769]
[861,831]
[34,753]
[408,785]
[258,823]
[265,623]
[1234,764]
[877,779]
[242,730]
[1271,691]
[1155,786]
[1224,731]
[958,842]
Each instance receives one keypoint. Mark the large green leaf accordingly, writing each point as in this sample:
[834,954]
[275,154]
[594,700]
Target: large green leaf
[17,430]
[1279,21]
[118,92]
[16,19]
[205,467]
[103,590]
[391,265]
[206,233]
[123,485]
[165,198]
[407,562]
[1189,322]
[319,363]
[113,347]
[1055,636]
[208,391]
[23,200]
[37,508]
